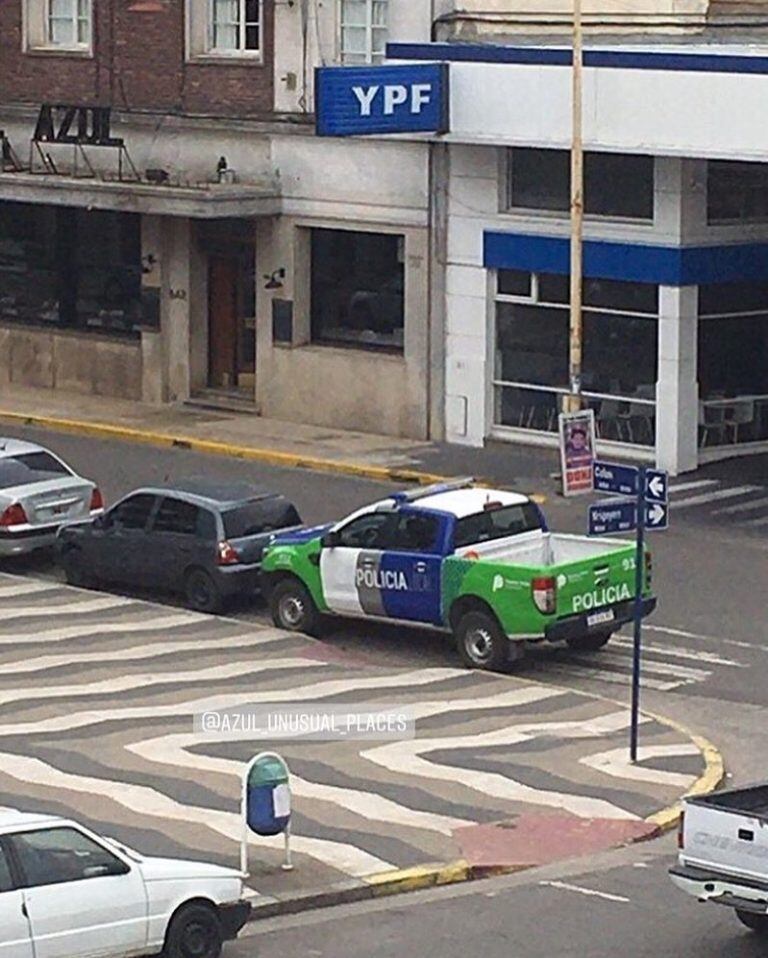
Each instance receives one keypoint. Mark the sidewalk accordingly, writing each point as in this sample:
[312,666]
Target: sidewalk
[281,443]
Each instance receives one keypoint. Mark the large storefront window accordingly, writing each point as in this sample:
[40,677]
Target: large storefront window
[619,354]
[737,192]
[616,185]
[357,289]
[733,364]
[70,267]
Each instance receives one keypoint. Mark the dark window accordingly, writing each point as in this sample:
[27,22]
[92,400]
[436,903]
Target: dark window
[29,467]
[532,344]
[175,515]
[615,184]
[55,855]
[733,356]
[620,355]
[414,532]
[496,524]
[251,518]
[207,527]
[721,298]
[615,294]
[554,289]
[357,289]
[131,513]
[371,531]
[737,192]
[6,881]
[514,282]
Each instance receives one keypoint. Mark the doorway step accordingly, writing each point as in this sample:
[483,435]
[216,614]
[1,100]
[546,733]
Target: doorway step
[224,400]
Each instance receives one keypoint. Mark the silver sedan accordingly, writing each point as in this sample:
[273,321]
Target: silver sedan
[38,494]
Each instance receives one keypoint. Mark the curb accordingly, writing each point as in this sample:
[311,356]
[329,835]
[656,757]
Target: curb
[270,457]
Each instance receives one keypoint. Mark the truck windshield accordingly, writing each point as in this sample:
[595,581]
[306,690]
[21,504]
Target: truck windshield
[496,524]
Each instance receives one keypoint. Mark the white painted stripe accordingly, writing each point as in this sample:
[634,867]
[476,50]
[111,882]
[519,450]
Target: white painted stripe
[25,587]
[616,763]
[64,608]
[673,652]
[405,758]
[742,507]
[127,682]
[686,486]
[406,681]
[718,640]
[757,522]
[149,803]
[137,653]
[160,623]
[713,496]
[591,892]
[615,678]
[650,665]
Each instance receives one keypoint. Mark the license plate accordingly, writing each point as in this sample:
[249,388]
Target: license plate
[598,618]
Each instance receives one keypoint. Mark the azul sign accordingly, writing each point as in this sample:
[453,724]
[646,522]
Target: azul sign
[87,125]
[382,99]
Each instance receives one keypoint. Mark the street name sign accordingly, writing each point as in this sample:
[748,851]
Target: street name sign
[612,515]
[612,477]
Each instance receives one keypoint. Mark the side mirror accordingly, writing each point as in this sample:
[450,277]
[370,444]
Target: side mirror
[331,539]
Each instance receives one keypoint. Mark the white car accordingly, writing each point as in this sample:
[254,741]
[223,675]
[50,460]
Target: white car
[38,494]
[65,892]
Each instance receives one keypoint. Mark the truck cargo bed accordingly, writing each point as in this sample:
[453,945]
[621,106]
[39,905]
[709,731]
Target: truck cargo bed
[750,799]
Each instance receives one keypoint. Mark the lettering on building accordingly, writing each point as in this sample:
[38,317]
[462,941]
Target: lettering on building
[84,125]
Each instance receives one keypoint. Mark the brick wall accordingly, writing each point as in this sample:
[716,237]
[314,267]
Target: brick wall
[138,65]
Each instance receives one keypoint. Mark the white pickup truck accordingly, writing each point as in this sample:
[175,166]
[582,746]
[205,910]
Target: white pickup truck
[723,842]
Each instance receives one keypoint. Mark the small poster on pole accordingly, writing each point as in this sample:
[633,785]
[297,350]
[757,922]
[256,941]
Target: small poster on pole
[577,450]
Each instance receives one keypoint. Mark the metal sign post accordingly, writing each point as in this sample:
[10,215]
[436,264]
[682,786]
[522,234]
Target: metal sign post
[638,623]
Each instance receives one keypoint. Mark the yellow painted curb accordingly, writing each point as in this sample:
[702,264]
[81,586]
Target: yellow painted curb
[420,876]
[708,781]
[271,457]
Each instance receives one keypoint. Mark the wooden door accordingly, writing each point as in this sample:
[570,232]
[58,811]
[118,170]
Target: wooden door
[223,275]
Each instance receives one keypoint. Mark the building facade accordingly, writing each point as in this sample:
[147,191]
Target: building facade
[176,230]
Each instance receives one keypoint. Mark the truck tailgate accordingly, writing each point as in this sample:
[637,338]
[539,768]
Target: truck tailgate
[728,832]
[589,584]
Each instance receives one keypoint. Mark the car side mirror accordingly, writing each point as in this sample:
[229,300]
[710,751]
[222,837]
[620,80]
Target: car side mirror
[331,539]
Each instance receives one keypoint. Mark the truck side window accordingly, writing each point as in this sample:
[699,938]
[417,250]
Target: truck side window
[371,531]
[496,523]
[51,856]
[6,882]
[415,533]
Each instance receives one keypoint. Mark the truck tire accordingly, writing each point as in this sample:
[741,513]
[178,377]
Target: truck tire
[293,608]
[481,642]
[589,643]
[202,593]
[757,923]
[194,932]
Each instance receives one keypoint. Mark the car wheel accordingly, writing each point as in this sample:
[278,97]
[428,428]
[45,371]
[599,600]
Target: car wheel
[753,921]
[481,642]
[589,643]
[74,573]
[201,592]
[194,932]
[293,608]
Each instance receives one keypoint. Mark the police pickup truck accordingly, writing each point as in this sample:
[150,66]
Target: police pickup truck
[475,562]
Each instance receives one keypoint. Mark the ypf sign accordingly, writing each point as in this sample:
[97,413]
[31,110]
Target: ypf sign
[353,101]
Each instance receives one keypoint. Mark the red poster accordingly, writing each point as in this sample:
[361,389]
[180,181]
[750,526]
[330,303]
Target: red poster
[577,450]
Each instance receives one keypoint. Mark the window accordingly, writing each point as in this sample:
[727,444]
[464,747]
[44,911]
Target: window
[357,289]
[737,192]
[496,524]
[616,185]
[55,855]
[236,26]
[176,516]
[60,25]
[29,467]
[131,513]
[619,362]
[414,532]
[370,531]
[251,518]
[363,31]
[6,880]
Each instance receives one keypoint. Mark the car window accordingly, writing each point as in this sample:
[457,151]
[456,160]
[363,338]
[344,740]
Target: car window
[6,881]
[175,515]
[496,523]
[51,856]
[371,531]
[414,533]
[30,467]
[261,515]
[131,513]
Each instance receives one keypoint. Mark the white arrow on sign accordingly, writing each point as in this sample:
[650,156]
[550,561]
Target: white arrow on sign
[656,514]
[656,486]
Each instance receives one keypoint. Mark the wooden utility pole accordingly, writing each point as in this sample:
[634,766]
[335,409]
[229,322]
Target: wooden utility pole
[577,214]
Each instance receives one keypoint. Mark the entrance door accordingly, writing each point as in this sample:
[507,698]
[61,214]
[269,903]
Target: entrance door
[223,274]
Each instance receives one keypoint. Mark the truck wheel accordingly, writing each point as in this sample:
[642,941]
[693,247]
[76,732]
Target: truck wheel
[293,608]
[754,922]
[589,643]
[201,592]
[481,641]
[194,932]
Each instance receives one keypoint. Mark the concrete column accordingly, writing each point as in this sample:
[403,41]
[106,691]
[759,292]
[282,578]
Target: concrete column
[677,392]
[153,384]
[174,306]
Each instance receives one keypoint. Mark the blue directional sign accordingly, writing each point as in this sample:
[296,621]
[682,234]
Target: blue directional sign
[656,485]
[409,98]
[611,477]
[656,515]
[612,515]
